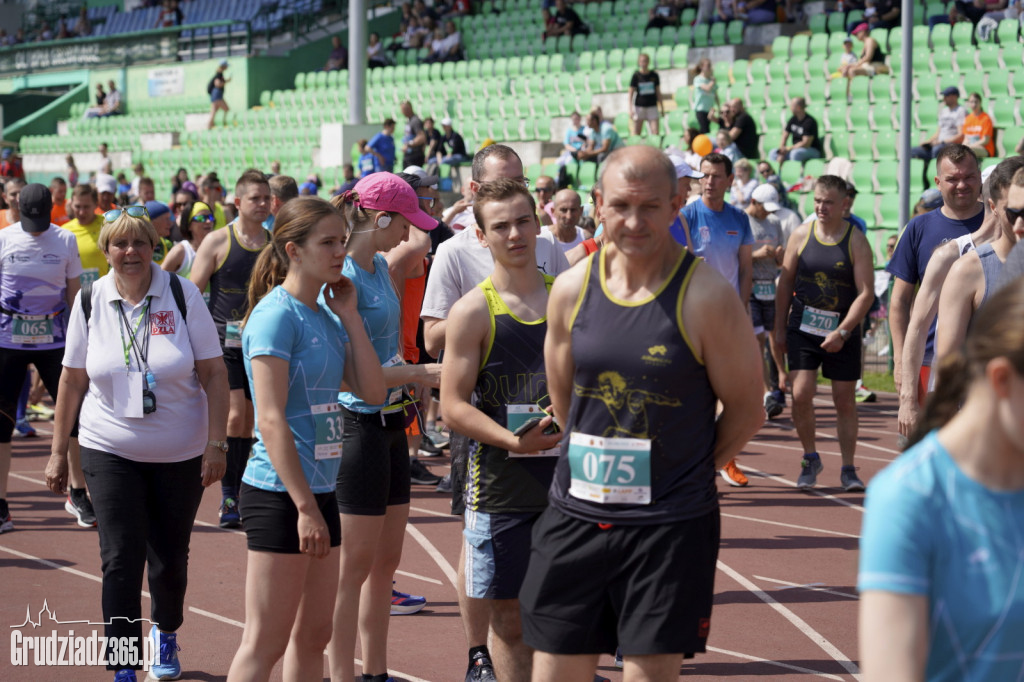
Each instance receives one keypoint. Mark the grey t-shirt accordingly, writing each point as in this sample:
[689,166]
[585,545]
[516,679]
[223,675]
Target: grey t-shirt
[767,231]
[1012,268]
[951,122]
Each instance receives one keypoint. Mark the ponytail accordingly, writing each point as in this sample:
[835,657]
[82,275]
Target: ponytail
[951,381]
[351,210]
[270,270]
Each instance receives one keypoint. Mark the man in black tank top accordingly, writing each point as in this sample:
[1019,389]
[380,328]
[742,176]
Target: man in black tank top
[492,380]
[825,289]
[643,339]
[224,261]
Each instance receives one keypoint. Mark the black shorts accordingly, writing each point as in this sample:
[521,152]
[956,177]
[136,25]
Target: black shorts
[459,448]
[762,314]
[14,364]
[271,519]
[646,589]
[237,378]
[804,351]
[374,470]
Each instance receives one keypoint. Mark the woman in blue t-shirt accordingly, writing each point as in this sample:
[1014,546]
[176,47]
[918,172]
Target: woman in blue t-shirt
[294,341]
[942,548]
[373,478]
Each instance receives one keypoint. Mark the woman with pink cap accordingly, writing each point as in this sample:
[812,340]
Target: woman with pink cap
[872,59]
[373,479]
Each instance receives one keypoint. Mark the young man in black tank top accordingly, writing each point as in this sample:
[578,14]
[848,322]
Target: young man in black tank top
[643,397]
[224,261]
[829,266]
[504,371]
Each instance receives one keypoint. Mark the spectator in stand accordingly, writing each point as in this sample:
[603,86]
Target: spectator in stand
[83,27]
[109,105]
[19,37]
[59,193]
[565,22]
[645,97]
[451,49]
[453,145]
[337,60]
[665,13]
[806,140]
[382,145]
[847,58]
[215,88]
[871,61]
[170,15]
[882,13]
[545,190]
[375,52]
[602,138]
[743,184]
[761,12]
[951,126]
[727,147]
[62,29]
[691,157]
[423,12]
[437,51]
[739,125]
[978,129]
[705,94]
[413,34]
[10,164]
[101,95]
[45,33]
[435,144]
[725,11]
[573,140]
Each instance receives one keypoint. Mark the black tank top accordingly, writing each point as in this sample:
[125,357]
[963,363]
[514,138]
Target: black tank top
[229,284]
[637,378]
[824,277]
[511,374]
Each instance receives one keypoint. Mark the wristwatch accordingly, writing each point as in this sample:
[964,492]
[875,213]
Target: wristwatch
[843,334]
[221,445]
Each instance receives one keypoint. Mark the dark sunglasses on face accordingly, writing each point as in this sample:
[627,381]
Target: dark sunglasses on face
[1013,215]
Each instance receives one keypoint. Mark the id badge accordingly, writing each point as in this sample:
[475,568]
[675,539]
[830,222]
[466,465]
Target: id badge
[330,427]
[128,395]
[233,334]
[31,329]
[394,394]
[819,322]
[610,470]
[764,289]
[516,416]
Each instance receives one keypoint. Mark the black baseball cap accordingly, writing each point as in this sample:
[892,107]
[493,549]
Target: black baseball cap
[35,204]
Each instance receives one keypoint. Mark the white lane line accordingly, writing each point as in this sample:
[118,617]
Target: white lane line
[420,577]
[23,477]
[796,620]
[436,555]
[233,531]
[208,614]
[814,587]
[431,512]
[797,448]
[791,525]
[787,666]
[792,484]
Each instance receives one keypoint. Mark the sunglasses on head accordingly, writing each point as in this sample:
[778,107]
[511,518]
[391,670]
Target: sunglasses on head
[1014,215]
[133,211]
[207,218]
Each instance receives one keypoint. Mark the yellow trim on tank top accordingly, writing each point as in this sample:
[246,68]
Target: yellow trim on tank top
[679,311]
[583,291]
[823,243]
[491,295]
[637,304]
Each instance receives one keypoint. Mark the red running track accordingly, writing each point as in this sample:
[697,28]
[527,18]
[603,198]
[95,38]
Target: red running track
[785,597]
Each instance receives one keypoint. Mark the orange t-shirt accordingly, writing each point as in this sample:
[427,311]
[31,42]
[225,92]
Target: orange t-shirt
[978,126]
[4,222]
[59,213]
[412,301]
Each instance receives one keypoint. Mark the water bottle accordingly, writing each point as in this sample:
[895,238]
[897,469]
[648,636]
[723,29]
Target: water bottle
[150,380]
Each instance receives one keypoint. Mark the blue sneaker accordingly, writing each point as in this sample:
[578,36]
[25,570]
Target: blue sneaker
[125,675]
[166,666]
[403,604]
[24,428]
[810,467]
[229,516]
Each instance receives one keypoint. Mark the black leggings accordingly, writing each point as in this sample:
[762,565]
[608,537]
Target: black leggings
[14,364]
[145,512]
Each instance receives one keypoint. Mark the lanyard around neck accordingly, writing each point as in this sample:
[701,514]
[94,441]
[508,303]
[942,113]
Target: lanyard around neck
[132,342]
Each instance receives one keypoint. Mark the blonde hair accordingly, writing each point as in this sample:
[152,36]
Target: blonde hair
[126,225]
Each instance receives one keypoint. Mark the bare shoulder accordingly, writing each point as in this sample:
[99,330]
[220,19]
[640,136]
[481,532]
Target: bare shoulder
[708,289]
[963,268]
[215,241]
[468,309]
[569,283]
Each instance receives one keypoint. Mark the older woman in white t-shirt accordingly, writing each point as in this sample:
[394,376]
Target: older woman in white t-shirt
[144,370]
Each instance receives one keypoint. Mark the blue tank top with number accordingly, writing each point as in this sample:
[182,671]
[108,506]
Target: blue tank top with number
[637,379]
[824,276]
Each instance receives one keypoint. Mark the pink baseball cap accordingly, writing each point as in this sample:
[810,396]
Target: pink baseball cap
[387,192]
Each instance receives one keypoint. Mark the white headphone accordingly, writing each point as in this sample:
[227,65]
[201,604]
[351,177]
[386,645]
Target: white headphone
[384,221]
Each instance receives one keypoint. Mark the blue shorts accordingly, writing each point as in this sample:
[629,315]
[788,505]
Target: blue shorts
[497,553]
[217,94]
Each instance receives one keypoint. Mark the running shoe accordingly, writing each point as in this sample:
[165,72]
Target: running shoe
[445,486]
[733,476]
[772,407]
[420,474]
[166,666]
[810,467]
[229,516]
[403,604]
[438,438]
[24,429]
[6,525]
[38,412]
[618,658]
[481,669]
[125,675]
[864,395]
[428,449]
[850,481]
[79,506]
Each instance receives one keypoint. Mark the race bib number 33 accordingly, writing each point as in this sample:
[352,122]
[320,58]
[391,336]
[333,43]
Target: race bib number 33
[330,427]
[610,470]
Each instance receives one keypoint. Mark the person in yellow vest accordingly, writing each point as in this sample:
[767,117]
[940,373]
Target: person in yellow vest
[86,228]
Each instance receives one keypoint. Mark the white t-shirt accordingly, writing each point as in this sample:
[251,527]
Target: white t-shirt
[178,430]
[546,233]
[463,262]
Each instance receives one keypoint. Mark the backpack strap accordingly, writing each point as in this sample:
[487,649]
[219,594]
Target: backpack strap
[176,291]
[86,300]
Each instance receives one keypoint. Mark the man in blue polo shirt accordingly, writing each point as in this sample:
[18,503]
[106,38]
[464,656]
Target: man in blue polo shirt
[382,145]
[720,234]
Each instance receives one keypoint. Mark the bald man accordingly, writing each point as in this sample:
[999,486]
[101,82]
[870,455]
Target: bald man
[566,232]
[740,127]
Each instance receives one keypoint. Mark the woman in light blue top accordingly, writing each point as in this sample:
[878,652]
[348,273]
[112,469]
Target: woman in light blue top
[297,351]
[705,94]
[942,549]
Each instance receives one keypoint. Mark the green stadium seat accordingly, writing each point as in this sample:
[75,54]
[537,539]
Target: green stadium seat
[864,206]
[942,59]
[962,33]
[997,85]
[881,36]
[864,176]
[585,61]
[780,47]
[889,211]
[734,32]
[1013,56]
[887,143]
[818,46]
[685,35]
[1003,112]
[963,60]
[927,113]
[1008,31]
[940,36]
[700,35]
[1017,81]
[818,23]
[630,57]
[717,35]
[988,57]
[835,43]
[835,23]
[300,81]
[663,57]
[861,145]
[881,89]
[859,117]
[615,59]
[679,56]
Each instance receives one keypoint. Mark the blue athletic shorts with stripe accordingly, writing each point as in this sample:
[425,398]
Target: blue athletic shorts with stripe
[497,553]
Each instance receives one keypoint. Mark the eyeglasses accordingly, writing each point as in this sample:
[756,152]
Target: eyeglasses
[207,218]
[1013,215]
[430,201]
[545,188]
[133,211]
[526,182]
